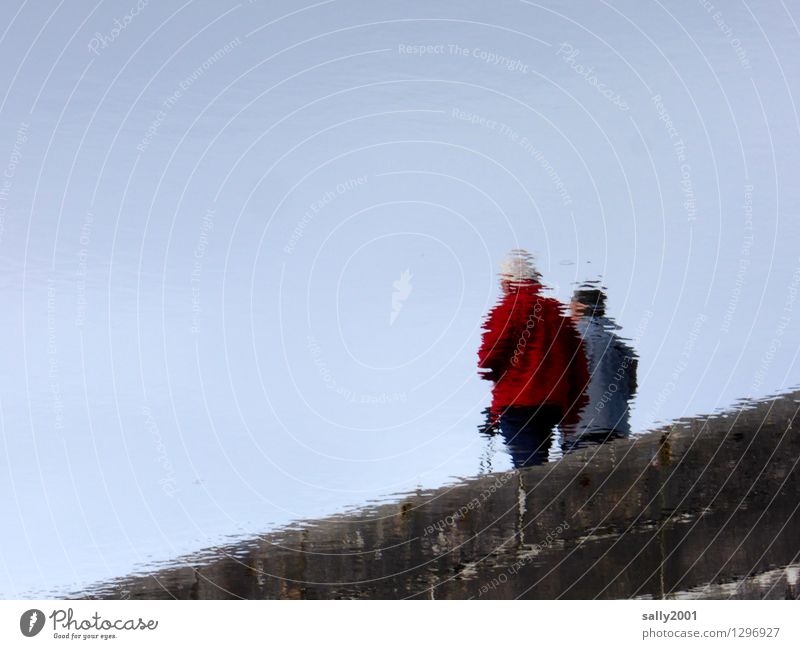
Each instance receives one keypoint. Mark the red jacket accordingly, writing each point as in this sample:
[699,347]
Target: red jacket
[533,353]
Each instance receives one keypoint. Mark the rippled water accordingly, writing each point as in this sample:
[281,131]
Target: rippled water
[246,249]
[704,508]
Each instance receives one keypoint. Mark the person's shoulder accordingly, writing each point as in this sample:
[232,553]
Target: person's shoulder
[548,301]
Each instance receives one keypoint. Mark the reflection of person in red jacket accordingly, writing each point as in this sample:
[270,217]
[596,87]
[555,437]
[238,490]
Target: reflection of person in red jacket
[533,354]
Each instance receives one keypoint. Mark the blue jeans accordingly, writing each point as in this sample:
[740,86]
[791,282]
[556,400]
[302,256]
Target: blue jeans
[528,432]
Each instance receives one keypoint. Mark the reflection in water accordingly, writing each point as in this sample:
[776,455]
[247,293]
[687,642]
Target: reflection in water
[612,370]
[528,433]
[533,355]
[703,508]
[782,583]
[551,370]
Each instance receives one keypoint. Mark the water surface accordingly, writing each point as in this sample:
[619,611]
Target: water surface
[246,249]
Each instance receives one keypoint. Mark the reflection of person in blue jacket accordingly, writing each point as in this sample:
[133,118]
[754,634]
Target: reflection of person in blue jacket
[612,369]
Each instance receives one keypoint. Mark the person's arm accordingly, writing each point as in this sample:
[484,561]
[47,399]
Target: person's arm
[494,356]
[633,368]
[577,371]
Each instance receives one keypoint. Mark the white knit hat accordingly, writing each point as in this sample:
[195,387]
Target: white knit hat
[518,267]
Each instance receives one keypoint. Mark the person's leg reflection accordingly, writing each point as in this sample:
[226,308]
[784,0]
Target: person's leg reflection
[528,433]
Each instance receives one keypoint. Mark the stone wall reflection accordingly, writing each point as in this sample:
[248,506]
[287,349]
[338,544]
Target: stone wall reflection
[710,501]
